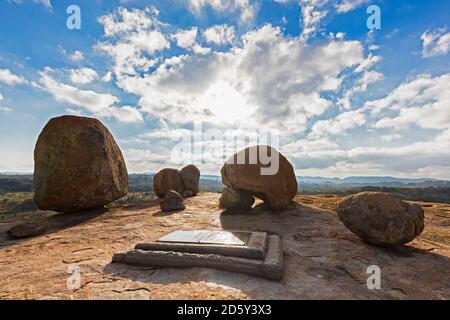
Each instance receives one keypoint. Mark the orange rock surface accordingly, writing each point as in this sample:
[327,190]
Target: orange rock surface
[323,260]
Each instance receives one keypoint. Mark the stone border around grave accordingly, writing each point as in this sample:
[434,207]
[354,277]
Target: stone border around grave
[269,268]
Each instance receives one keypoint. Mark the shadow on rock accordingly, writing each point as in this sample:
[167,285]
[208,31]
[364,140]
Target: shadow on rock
[166,214]
[56,222]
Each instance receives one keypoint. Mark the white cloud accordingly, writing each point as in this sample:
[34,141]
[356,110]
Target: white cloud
[11,79]
[126,114]
[368,63]
[413,159]
[423,101]
[107,77]
[132,35]
[83,75]
[269,79]
[77,56]
[315,11]
[46,3]
[5,109]
[348,5]
[343,122]
[435,43]
[391,137]
[367,77]
[220,34]
[266,79]
[245,7]
[187,39]
[98,104]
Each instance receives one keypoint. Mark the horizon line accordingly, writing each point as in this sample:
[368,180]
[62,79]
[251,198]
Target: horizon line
[298,176]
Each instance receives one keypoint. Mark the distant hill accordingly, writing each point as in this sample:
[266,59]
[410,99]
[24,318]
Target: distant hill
[411,189]
[367,180]
[10,182]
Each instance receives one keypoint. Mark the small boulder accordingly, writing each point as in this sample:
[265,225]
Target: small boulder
[190,176]
[381,218]
[236,199]
[165,180]
[172,201]
[28,229]
[78,165]
[263,172]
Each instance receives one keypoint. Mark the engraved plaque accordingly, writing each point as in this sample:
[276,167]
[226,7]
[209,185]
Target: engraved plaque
[208,237]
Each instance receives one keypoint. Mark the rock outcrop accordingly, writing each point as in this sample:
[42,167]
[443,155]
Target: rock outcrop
[381,218]
[185,182]
[172,201]
[78,165]
[236,199]
[263,172]
[323,259]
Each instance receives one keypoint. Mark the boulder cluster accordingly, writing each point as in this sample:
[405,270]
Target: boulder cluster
[173,185]
[78,166]
[377,218]
[185,182]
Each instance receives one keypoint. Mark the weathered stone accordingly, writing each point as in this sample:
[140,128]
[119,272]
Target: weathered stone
[190,176]
[271,267]
[27,230]
[165,180]
[236,199]
[78,165]
[275,182]
[172,201]
[381,218]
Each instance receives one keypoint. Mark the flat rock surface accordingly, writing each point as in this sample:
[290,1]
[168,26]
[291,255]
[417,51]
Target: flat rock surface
[323,260]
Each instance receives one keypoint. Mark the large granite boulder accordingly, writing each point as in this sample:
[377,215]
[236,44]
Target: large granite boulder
[190,176]
[78,165]
[236,199]
[165,180]
[263,172]
[381,218]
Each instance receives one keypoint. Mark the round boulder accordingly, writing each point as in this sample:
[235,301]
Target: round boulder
[77,165]
[172,201]
[236,199]
[165,180]
[190,176]
[381,218]
[264,173]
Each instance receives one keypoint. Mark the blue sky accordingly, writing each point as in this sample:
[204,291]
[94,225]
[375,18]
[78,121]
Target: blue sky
[343,99]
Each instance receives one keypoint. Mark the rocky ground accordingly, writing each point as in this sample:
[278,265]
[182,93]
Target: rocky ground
[323,260]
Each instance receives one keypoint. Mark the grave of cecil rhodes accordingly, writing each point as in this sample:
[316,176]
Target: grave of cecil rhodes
[254,253]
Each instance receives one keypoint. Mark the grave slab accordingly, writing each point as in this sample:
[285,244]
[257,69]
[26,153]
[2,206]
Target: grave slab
[271,267]
[251,245]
